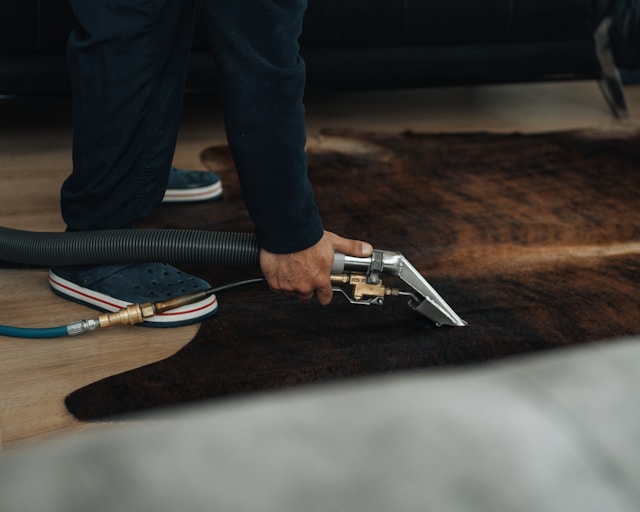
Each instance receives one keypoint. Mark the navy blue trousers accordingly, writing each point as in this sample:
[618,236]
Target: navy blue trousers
[128,63]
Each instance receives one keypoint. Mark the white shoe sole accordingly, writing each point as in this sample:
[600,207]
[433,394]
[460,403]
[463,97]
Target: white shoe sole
[184,315]
[194,195]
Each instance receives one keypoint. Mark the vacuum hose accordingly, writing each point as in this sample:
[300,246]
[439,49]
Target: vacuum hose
[128,246]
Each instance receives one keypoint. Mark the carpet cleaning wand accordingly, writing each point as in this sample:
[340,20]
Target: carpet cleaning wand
[214,248]
[364,275]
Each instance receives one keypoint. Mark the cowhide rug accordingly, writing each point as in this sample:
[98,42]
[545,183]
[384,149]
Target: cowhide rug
[534,240]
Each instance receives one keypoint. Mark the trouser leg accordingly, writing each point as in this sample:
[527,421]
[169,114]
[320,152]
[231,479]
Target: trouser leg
[127,63]
[262,78]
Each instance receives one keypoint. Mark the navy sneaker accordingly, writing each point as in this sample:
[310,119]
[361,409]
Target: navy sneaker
[112,287]
[192,187]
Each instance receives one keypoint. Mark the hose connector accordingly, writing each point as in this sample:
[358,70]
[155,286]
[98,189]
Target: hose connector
[137,313]
[82,326]
[129,315]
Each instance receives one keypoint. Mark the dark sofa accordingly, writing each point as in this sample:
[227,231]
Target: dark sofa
[384,43]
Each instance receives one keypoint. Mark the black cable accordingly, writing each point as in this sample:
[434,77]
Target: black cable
[235,284]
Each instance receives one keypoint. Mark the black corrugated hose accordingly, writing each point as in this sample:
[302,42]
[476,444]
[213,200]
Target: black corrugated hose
[128,246]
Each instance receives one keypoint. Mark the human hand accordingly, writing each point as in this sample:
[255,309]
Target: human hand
[307,272]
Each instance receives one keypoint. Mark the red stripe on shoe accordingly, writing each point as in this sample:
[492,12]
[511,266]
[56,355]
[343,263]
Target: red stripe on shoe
[78,292]
[213,300]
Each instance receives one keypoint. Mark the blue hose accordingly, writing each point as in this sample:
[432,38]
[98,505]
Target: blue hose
[26,332]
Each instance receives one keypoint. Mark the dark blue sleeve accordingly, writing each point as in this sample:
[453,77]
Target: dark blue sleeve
[262,77]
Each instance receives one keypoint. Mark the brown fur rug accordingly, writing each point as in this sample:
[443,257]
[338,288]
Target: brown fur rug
[534,240]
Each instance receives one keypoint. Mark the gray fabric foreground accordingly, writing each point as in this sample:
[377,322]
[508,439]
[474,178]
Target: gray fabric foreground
[556,432]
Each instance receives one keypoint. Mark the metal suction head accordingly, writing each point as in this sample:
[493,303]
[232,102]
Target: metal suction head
[364,274]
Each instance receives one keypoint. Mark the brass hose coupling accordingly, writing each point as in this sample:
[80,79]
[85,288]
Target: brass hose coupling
[134,313]
[137,313]
[129,315]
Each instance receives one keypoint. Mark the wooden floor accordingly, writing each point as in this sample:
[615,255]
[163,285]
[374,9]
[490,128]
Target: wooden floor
[35,157]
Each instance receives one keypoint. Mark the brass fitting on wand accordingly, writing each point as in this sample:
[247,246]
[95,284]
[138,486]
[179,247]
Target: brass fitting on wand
[361,288]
